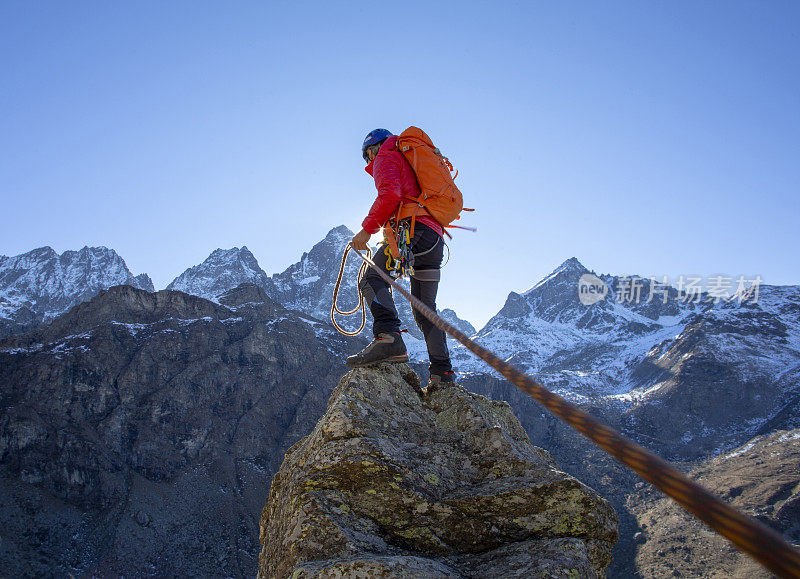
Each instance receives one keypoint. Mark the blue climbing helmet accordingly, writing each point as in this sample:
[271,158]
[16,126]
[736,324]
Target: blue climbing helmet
[373,138]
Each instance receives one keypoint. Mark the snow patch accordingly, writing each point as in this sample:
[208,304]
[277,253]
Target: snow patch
[789,436]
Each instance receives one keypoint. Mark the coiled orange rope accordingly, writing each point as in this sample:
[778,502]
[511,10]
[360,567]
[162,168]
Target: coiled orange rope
[361,306]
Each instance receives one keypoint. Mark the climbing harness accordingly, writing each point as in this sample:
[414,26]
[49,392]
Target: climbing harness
[403,264]
[750,535]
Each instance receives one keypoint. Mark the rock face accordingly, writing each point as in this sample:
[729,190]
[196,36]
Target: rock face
[392,484]
[37,286]
[760,478]
[139,431]
[657,537]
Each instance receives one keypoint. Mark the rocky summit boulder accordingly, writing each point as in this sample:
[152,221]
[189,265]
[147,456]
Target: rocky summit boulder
[393,483]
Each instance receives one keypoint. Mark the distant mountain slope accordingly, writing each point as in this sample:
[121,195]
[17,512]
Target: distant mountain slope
[760,478]
[732,373]
[452,318]
[39,285]
[139,431]
[582,350]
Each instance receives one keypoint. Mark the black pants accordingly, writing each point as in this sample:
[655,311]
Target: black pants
[428,249]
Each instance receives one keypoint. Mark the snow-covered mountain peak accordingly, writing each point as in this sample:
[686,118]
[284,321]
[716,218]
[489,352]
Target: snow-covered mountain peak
[462,325]
[333,243]
[144,282]
[85,252]
[320,264]
[37,254]
[554,297]
[571,266]
[569,271]
[549,330]
[307,284]
[339,235]
[30,259]
[230,255]
[38,285]
[641,332]
[221,271]
[95,263]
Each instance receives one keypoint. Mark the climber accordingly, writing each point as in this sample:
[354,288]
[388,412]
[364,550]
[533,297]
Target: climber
[395,181]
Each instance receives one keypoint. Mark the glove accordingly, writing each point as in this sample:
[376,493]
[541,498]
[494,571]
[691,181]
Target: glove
[360,240]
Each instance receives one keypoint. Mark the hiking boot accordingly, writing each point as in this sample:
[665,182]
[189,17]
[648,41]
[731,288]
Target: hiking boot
[437,381]
[386,347]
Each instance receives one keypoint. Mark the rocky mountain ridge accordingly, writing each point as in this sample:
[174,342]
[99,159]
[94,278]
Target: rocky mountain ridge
[667,362]
[39,285]
[305,286]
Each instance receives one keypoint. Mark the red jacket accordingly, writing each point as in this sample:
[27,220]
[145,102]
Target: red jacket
[395,180]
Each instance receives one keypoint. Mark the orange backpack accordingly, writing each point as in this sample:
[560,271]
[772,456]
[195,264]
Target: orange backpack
[439,197]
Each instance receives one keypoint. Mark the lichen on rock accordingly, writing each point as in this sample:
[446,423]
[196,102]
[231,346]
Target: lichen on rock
[395,484]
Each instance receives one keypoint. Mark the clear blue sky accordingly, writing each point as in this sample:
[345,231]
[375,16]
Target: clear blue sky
[651,138]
